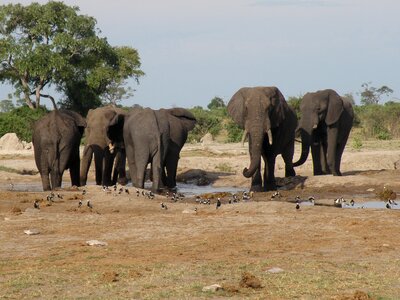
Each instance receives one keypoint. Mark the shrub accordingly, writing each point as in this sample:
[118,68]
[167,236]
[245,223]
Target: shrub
[20,121]
[235,133]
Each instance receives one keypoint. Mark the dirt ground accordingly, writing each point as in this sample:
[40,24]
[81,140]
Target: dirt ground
[322,252]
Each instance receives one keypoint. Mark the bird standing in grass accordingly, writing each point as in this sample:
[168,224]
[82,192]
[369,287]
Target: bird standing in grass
[89,204]
[218,203]
[36,204]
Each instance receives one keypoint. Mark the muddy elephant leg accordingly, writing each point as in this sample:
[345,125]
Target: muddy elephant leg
[74,168]
[86,161]
[269,176]
[107,166]
[156,171]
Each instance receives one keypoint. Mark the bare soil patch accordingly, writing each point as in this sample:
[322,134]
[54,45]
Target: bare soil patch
[152,253]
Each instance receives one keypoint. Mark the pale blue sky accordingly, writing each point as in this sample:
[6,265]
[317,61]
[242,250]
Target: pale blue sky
[192,51]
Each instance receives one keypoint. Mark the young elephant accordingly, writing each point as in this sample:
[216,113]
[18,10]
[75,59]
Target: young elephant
[56,138]
[324,127]
[104,142]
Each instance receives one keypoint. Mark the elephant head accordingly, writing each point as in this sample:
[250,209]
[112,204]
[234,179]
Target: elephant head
[319,109]
[258,111]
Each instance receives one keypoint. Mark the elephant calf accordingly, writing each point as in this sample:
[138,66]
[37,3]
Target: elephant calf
[56,138]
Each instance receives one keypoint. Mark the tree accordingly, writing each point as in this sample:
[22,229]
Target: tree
[349,97]
[372,95]
[294,102]
[47,44]
[216,102]
[7,105]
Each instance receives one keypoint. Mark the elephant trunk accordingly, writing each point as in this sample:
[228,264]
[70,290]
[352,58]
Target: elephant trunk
[305,148]
[256,143]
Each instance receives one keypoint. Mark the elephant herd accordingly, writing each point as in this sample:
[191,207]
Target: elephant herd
[143,135]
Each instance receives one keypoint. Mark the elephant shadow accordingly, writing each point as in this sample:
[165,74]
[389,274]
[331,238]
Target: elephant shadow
[365,172]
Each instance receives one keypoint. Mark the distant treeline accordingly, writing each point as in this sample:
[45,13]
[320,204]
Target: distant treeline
[372,121]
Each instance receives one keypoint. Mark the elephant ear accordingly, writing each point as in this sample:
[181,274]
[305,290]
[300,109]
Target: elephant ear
[279,107]
[186,117]
[236,107]
[335,108]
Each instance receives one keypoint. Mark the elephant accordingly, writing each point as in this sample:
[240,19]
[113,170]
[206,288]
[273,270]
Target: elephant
[104,139]
[181,121]
[168,126]
[270,125]
[325,127]
[146,137]
[56,139]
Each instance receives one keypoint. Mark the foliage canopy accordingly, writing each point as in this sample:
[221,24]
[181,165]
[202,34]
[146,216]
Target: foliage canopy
[51,44]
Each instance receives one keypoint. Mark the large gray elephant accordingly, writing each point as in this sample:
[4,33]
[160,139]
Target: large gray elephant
[56,139]
[325,127]
[270,125]
[104,140]
[181,121]
[146,137]
[156,137]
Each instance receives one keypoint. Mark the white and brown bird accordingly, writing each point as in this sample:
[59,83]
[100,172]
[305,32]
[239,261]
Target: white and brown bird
[36,204]
[163,206]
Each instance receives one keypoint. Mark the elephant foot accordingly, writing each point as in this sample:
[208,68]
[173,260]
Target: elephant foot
[122,181]
[290,173]
[337,173]
[256,188]
[270,186]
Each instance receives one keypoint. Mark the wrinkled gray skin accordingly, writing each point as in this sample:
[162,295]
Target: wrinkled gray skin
[146,136]
[325,127]
[181,121]
[104,127]
[258,110]
[56,138]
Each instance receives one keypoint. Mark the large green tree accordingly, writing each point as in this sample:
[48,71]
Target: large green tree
[51,44]
[372,95]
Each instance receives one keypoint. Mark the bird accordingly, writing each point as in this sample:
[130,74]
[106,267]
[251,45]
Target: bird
[276,195]
[388,205]
[11,186]
[352,202]
[59,196]
[115,188]
[218,203]
[126,191]
[137,193]
[120,191]
[339,202]
[197,198]
[84,192]
[297,199]
[167,194]
[80,203]
[163,206]
[297,205]
[50,198]
[89,204]
[36,204]
[392,202]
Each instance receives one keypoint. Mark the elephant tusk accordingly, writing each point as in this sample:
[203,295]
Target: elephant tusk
[269,133]
[244,137]
[111,148]
[315,126]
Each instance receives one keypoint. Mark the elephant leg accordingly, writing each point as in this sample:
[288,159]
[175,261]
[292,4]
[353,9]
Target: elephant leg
[256,179]
[269,176]
[86,161]
[287,156]
[169,172]
[323,157]
[156,171]
[339,153]
[98,162]
[119,174]
[107,166]
[130,154]
[43,167]
[316,157]
[332,150]
[74,167]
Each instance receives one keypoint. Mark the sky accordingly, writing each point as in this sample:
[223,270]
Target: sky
[195,50]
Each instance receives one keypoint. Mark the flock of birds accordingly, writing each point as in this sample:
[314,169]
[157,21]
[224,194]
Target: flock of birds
[174,197]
